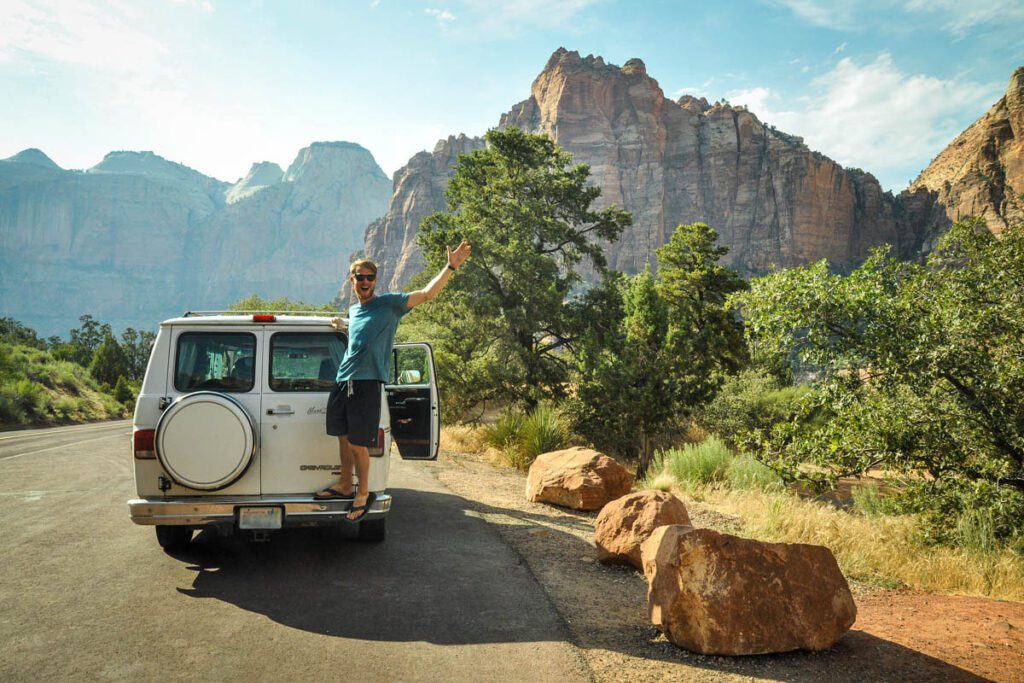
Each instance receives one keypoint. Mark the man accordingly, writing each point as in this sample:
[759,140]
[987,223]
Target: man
[353,407]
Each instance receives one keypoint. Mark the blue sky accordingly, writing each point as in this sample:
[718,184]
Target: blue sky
[882,85]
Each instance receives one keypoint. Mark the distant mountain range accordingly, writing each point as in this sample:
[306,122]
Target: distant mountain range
[138,238]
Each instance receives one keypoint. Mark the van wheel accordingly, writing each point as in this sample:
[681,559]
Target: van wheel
[173,537]
[373,530]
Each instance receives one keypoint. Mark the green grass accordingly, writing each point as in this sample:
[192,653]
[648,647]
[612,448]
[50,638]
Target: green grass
[521,437]
[710,463]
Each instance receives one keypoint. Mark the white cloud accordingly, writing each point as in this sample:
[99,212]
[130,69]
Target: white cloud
[443,16]
[962,16]
[88,34]
[204,5]
[837,16]
[841,48]
[874,116]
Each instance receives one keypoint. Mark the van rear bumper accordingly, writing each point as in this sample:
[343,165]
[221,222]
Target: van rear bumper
[223,510]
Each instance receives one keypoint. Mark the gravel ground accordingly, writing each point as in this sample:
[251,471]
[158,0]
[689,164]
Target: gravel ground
[899,635]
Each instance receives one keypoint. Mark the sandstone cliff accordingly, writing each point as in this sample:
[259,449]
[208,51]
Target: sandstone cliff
[771,199]
[980,173]
[137,238]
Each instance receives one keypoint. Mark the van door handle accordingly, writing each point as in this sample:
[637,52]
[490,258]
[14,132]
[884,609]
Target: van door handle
[280,410]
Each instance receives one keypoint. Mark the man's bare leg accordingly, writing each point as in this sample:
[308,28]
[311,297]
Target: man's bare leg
[344,485]
[361,455]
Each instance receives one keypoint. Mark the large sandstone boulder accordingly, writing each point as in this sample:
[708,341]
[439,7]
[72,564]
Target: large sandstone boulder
[579,478]
[626,522]
[719,594]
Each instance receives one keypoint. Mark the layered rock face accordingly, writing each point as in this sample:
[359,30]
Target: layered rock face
[771,199]
[418,192]
[137,238]
[980,173]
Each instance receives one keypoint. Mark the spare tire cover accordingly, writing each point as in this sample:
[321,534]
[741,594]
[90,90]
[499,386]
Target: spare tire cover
[205,440]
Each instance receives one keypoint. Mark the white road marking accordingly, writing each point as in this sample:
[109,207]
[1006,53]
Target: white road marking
[66,445]
[50,431]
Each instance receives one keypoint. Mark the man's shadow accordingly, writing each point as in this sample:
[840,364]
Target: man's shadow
[443,577]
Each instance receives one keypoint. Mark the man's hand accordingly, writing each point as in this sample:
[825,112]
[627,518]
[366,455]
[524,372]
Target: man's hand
[339,324]
[458,257]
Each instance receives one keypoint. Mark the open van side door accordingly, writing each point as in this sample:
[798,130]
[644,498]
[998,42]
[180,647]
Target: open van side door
[413,402]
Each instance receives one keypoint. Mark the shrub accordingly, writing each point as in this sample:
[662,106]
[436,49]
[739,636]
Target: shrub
[11,410]
[66,407]
[123,392]
[870,501]
[31,398]
[749,400]
[695,464]
[745,472]
[521,437]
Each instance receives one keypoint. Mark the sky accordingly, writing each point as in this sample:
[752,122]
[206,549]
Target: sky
[882,85]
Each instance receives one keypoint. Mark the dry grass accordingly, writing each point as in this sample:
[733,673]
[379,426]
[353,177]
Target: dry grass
[464,438]
[880,549]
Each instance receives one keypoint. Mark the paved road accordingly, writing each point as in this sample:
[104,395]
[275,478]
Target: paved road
[86,594]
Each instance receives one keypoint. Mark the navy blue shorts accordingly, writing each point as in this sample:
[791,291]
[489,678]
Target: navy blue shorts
[356,416]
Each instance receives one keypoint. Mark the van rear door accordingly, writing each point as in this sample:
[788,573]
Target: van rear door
[413,402]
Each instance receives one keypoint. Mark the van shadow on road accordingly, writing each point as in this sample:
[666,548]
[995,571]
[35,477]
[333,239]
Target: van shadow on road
[443,576]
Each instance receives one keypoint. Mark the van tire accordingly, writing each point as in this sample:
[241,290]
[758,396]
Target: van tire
[173,537]
[373,530]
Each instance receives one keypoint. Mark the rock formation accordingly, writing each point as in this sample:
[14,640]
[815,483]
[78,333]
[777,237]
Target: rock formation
[137,238]
[578,478]
[418,192]
[980,173]
[719,594]
[625,523]
[771,199]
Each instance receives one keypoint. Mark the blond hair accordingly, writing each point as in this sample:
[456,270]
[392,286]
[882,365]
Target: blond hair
[362,263]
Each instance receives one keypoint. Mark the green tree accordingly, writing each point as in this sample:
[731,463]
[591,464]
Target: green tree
[255,304]
[14,332]
[84,341]
[705,335]
[921,373]
[136,346]
[109,362]
[527,211]
[624,379]
[123,392]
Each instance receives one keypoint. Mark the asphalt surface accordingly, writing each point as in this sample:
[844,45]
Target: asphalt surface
[86,594]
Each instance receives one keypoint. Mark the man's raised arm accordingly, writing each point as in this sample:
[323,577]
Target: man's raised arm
[455,260]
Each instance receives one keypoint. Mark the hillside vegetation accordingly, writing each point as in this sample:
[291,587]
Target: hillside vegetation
[91,376]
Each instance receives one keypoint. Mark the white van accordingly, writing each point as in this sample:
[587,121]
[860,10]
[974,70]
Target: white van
[229,425]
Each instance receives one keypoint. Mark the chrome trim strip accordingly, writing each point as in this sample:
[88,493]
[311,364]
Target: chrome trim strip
[221,509]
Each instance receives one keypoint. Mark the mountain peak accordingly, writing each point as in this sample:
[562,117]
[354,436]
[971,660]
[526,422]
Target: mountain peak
[263,174]
[346,158]
[1015,91]
[33,157]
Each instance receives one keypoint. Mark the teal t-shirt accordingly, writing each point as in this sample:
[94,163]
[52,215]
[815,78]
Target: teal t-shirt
[371,334]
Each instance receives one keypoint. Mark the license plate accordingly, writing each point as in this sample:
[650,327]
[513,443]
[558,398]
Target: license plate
[260,518]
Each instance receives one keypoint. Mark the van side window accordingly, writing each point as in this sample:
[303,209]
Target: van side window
[220,361]
[305,361]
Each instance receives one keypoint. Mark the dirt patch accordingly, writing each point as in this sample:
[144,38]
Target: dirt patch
[899,635]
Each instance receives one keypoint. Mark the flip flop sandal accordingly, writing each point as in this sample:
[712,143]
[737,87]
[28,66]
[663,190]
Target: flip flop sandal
[364,509]
[334,494]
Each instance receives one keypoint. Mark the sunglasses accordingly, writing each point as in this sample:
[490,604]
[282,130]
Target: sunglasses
[364,278]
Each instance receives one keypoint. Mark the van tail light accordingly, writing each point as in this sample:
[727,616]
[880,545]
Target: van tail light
[264,318]
[143,444]
[378,450]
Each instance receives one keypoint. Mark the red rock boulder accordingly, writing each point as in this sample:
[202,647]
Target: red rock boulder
[626,522]
[719,594]
[578,478]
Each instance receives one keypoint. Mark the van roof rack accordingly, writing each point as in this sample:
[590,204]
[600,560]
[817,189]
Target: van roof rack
[195,314]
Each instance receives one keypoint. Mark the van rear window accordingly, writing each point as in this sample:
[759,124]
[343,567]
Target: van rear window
[305,361]
[219,361]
